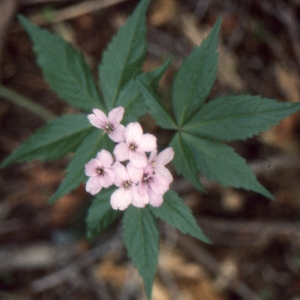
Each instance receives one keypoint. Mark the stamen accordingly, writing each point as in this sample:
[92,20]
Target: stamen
[127,184]
[100,171]
[108,128]
[132,147]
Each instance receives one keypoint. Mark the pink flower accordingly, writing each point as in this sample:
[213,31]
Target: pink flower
[100,173]
[153,185]
[110,124]
[135,145]
[158,162]
[126,194]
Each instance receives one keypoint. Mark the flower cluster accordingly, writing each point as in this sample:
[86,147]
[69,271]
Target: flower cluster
[144,179]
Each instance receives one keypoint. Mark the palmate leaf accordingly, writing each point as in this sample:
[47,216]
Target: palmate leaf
[64,68]
[124,56]
[59,137]
[177,214]
[220,163]
[238,117]
[141,239]
[131,96]
[100,213]
[157,109]
[184,161]
[193,82]
[94,142]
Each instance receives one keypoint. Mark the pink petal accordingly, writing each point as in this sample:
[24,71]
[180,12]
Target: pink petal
[93,185]
[121,198]
[138,200]
[107,179]
[153,155]
[143,188]
[121,152]
[105,158]
[95,121]
[118,134]
[165,156]
[162,170]
[120,173]
[115,116]
[159,184]
[133,132]
[148,170]
[147,142]
[98,119]
[138,159]
[100,114]
[135,174]
[91,167]
[155,200]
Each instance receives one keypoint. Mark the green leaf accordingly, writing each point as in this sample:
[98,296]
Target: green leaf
[123,59]
[64,68]
[157,109]
[220,163]
[100,213]
[177,214]
[131,99]
[238,117]
[193,82]
[184,161]
[90,146]
[152,78]
[131,96]
[141,239]
[59,137]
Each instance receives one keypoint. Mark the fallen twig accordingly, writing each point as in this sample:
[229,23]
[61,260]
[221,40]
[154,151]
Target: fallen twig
[68,273]
[73,11]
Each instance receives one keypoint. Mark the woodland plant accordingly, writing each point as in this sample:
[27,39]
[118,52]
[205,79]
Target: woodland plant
[119,163]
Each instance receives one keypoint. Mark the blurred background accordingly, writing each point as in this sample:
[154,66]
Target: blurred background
[256,243]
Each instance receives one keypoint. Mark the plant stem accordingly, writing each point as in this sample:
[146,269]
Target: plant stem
[26,103]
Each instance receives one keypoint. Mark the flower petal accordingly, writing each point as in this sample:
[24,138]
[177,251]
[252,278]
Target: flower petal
[105,158]
[153,155]
[121,198]
[165,156]
[115,116]
[143,188]
[108,178]
[93,185]
[159,184]
[135,174]
[162,170]
[121,152]
[147,143]
[133,132]
[91,167]
[138,159]
[155,200]
[138,200]
[120,173]
[98,119]
[118,134]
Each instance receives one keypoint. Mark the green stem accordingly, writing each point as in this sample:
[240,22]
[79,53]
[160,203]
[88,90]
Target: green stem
[26,103]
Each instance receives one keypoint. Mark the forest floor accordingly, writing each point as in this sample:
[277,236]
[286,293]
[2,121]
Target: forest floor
[255,252]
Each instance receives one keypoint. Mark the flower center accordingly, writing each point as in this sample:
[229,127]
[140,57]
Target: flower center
[146,177]
[108,128]
[127,184]
[100,171]
[132,147]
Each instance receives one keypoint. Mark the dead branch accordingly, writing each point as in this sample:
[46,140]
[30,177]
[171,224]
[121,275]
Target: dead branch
[73,11]
[67,274]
